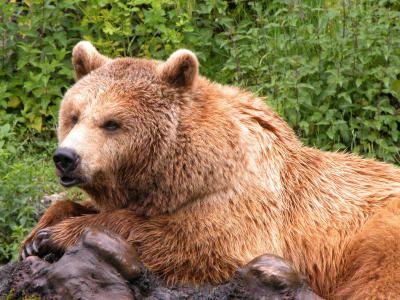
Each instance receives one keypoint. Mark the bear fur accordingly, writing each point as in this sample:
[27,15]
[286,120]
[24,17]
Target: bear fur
[201,178]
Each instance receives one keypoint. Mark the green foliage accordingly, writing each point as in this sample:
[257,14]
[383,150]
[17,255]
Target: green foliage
[330,68]
[35,67]
[22,181]
[11,295]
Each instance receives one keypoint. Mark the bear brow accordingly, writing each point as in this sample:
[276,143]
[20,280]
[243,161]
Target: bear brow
[107,115]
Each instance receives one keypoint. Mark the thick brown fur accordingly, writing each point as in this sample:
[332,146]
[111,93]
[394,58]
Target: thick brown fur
[202,178]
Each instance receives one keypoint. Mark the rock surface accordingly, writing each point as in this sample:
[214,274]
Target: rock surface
[103,266]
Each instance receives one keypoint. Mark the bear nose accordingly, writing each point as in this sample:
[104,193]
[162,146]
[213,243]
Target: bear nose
[66,159]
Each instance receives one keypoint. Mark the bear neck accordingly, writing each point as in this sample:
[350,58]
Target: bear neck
[222,138]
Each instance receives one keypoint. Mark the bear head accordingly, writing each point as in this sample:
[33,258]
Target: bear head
[121,131]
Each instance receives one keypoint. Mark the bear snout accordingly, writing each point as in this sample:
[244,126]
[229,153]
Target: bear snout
[66,161]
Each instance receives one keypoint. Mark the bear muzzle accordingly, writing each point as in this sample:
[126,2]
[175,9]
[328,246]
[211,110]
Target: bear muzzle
[67,161]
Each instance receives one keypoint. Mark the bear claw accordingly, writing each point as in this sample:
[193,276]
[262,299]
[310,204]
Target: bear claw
[39,245]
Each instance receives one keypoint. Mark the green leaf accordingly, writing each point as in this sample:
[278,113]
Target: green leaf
[14,102]
[395,87]
[37,123]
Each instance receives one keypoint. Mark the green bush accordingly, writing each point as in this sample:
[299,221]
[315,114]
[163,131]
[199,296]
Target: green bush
[330,68]
[22,181]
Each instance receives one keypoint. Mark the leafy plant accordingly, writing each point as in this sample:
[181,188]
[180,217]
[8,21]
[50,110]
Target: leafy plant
[330,68]
[23,182]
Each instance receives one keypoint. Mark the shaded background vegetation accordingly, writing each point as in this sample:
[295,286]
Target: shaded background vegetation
[330,68]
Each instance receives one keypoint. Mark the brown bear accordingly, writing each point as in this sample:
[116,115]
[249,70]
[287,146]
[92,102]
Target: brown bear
[201,178]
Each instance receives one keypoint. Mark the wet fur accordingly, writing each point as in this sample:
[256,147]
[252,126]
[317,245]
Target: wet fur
[204,177]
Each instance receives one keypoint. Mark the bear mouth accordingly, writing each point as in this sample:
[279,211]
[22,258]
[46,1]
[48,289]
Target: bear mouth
[68,181]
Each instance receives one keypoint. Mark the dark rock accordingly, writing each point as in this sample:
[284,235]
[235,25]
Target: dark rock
[103,266]
[273,276]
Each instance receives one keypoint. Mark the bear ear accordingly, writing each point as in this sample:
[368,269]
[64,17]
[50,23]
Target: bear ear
[181,68]
[86,58]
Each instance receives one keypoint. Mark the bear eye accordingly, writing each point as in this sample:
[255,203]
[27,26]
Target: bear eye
[74,119]
[110,125]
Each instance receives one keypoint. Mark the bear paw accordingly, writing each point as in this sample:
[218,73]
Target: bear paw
[40,245]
